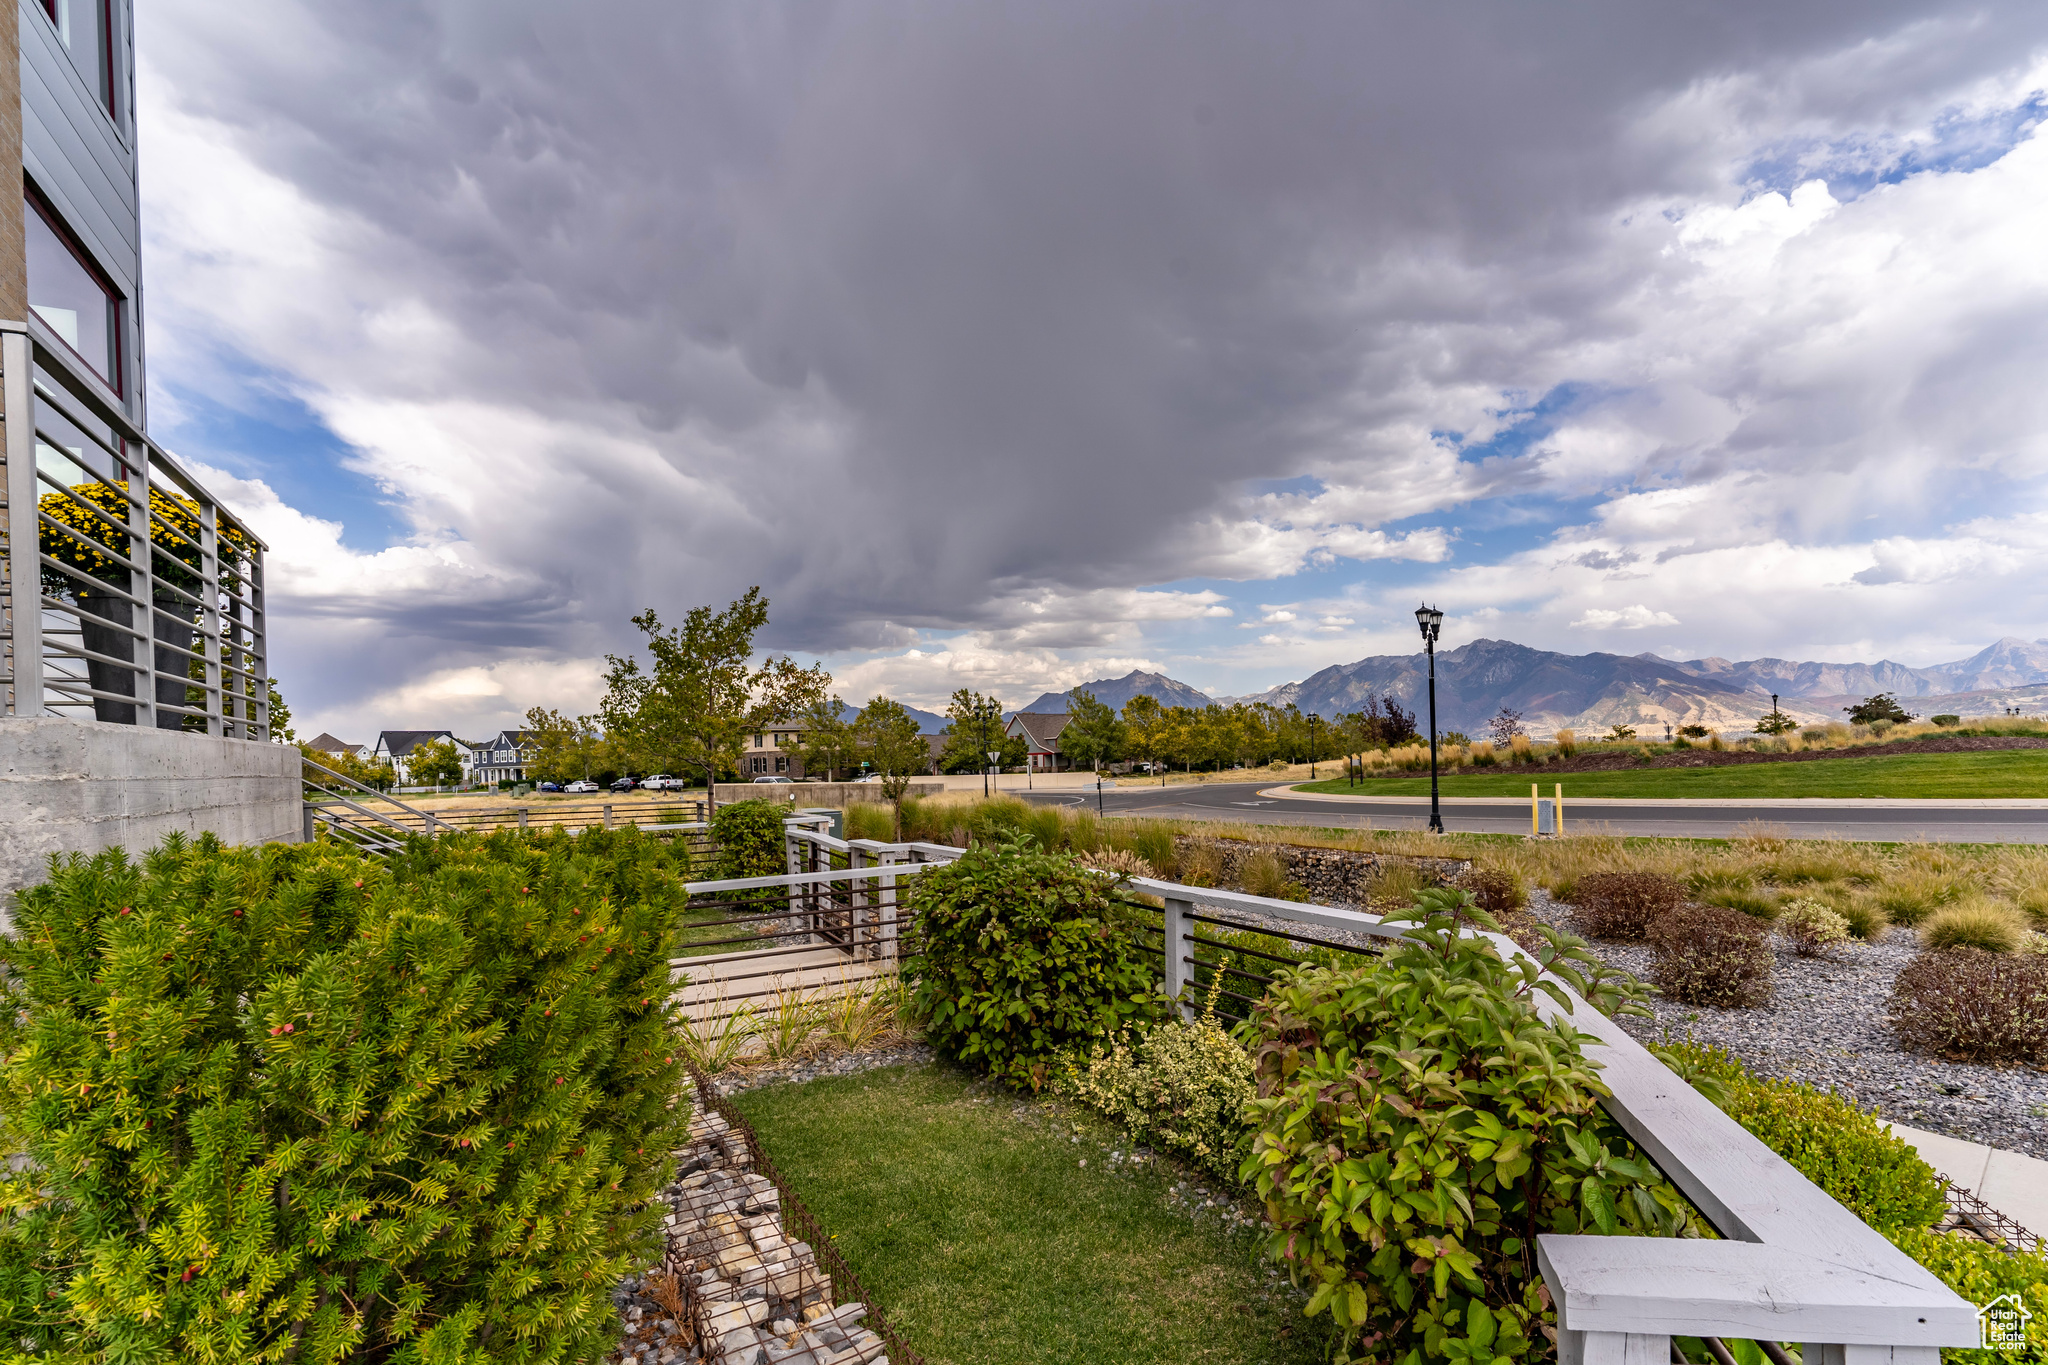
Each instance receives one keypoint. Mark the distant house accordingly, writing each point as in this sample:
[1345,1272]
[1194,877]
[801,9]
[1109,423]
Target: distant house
[395,746]
[1040,731]
[505,757]
[328,744]
[768,754]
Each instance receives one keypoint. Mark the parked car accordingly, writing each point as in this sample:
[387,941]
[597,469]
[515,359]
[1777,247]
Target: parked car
[662,782]
[871,777]
[772,780]
[623,784]
[582,784]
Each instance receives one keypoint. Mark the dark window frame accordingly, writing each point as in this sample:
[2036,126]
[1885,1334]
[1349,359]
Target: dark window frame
[54,220]
[109,84]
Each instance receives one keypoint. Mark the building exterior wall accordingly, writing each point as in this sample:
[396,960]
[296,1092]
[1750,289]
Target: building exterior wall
[67,787]
[83,161]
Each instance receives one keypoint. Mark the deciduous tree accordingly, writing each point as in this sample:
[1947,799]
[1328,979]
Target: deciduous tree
[690,710]
[1093,735]
[434,762]
[889,739]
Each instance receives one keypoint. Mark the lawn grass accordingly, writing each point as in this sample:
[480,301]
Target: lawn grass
[986,1241]
[1996,773]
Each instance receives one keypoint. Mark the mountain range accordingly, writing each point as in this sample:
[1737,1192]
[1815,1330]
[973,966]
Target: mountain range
[1590,692]
[1115,692]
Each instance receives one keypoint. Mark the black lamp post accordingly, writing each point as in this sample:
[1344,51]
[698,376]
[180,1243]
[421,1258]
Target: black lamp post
[984,746]
[1312,719]
[1431,620]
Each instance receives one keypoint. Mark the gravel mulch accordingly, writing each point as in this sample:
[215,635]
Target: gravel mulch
[798,1070]
[1827,1024]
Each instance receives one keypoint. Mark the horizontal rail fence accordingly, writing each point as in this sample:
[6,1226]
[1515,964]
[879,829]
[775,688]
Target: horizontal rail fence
[833,920]
[130,596]
[1797,1267]
[379,822]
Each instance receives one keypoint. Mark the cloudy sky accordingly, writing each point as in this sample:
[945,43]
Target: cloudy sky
[1009,346]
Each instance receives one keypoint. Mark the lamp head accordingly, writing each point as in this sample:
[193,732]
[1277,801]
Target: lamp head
[1431,620]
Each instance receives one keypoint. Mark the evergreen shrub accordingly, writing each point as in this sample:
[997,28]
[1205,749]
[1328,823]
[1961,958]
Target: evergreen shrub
[1418,1121]
[1845,1150]
[1019,954]
[289,1104]
[749,835]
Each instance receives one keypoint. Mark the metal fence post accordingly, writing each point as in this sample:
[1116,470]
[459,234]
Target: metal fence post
[308,833]
[24,587]
[1179,974]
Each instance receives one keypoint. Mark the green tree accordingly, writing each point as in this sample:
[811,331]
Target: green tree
[1776,722]
[692,708]
[281,731]
[825,744]
[977,727]
[380,775]
[433,763]
[566,748]
[1883,706]
[889,740]
[1093,735]
[1618,731]
[1145,728]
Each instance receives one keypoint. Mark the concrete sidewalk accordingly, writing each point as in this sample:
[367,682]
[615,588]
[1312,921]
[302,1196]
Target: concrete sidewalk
[2015,1185]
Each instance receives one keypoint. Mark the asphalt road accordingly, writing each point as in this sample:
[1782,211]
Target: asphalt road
[2006,822]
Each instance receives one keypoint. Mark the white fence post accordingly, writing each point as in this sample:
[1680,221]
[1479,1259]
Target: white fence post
[1180,976]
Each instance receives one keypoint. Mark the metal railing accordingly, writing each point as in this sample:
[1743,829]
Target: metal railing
[833,920]
[128,595]
[1797,1266]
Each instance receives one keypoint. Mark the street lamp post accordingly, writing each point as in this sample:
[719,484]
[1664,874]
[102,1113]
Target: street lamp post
[1431,620]
[984,745]
[1312,719]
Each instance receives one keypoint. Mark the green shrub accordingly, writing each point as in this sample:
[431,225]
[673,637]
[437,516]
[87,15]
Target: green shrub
[749,835]
[1946,722]
[1418,1120]
[1710,955]
[285,1104]
[1845,1150]
[1020,954]
[1178,1086]
[1812,927]
[1979,1273]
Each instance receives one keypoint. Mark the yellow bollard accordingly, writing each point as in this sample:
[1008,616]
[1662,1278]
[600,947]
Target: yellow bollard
[1533,830]
[1560,810]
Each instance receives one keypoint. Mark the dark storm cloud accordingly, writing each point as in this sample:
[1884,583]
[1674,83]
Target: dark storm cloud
[932,311]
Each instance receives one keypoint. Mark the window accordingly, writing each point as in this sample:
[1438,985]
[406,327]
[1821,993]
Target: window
[86,28]
[69,293]
[781,765]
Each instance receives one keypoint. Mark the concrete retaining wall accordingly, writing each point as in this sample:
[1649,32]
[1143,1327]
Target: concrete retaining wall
[71,787]
[817,793]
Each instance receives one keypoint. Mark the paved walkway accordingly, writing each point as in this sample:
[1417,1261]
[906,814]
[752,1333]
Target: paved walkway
[2015,1185]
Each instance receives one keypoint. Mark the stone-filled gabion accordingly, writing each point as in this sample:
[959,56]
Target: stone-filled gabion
[732,1289]
[1330,875]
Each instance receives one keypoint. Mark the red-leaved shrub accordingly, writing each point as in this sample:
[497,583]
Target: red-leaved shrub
[1972,1006]
[1622,905]
[1711,955]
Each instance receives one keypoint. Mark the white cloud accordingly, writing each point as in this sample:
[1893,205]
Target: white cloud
[1628,618]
